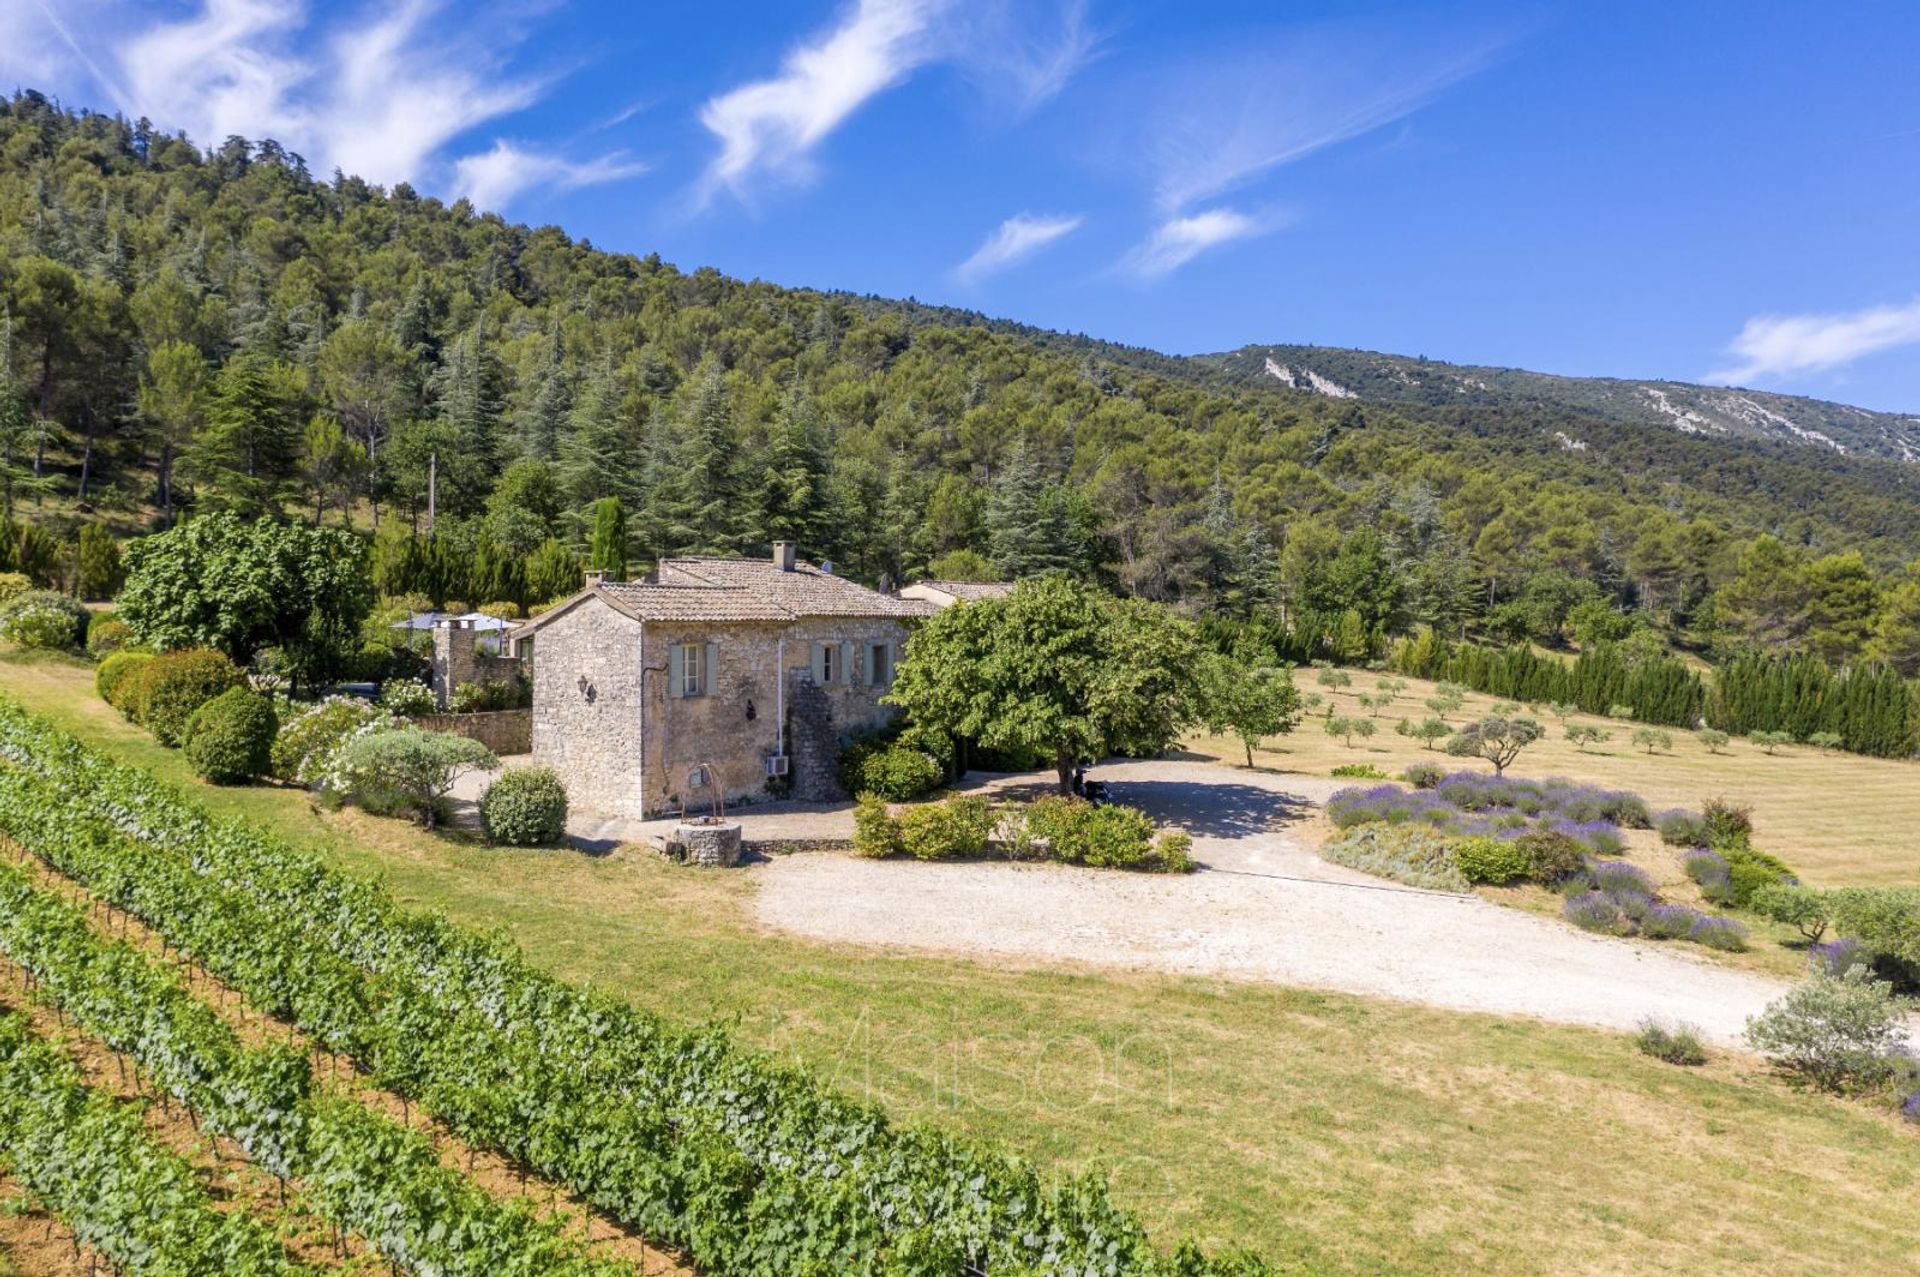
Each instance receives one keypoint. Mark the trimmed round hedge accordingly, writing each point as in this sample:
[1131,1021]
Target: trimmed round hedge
[175,684]
[106,634]
[44,619]
[230,738]
[118,678]
[525,807]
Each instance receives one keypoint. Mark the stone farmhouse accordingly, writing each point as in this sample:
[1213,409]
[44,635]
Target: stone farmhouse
[649,696]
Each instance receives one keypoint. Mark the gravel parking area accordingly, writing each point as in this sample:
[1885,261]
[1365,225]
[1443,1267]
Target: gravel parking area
[1263,908]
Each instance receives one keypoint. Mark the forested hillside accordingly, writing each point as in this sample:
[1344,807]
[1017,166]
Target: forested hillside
[189,331]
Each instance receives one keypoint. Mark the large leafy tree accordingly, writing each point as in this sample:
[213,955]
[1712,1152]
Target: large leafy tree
[1057,668]
[220,582]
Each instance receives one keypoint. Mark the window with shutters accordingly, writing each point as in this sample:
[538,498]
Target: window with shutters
[830,671]
[691,668]
[879,664]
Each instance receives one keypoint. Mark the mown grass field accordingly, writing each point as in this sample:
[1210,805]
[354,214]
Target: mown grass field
[1330,1133]
[1838,819]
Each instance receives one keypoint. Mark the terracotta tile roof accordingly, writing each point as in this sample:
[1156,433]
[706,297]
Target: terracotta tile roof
[805,591]
[645,601]
[971,591]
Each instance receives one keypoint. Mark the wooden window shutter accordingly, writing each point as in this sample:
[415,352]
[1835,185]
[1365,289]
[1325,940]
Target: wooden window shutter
[710,676]
[675,665]
[819,654]
[846,664]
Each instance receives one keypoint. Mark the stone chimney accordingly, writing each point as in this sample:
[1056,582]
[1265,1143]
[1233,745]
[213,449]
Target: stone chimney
[783,555]
[595,578]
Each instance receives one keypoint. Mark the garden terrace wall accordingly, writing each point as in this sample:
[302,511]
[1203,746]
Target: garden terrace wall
[504,731]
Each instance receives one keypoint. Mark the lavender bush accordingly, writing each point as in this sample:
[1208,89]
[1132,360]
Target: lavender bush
[1596,911]
[1669,922]
[1473,805]
[1837,957]
[1719,933]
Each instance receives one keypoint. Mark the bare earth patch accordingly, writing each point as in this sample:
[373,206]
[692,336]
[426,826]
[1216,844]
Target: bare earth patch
[1263,908]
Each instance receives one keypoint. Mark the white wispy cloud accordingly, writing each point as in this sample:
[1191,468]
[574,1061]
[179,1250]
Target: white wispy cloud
[1020,51]
[220,71]
[1014,240]
[1791,345]
[772,126]
[380,92]
[1024,52]
[1198,129]
[491,179]
[1224,122]
[1178,240]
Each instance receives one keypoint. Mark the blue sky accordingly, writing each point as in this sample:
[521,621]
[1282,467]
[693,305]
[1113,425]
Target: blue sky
[1714,189]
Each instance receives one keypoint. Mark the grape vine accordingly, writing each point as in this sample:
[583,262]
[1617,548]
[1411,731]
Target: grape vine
[751,1167]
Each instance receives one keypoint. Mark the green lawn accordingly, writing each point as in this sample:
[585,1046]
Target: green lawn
[1331,1133]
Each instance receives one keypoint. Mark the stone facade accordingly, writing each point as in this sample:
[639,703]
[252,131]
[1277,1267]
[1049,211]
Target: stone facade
[604,719]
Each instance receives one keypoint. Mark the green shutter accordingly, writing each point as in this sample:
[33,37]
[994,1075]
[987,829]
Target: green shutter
[712,679]
[818,654]
[673,671]
[846,664]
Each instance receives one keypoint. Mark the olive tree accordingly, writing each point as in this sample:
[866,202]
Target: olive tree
[1495,738]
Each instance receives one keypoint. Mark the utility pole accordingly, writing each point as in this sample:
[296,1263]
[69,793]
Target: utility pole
[433,483]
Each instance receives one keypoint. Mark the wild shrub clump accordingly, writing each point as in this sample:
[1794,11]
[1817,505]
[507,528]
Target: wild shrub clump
[1415,855]
[1358,771]
[1839,1032]
[175,684]
[897,773]
[229,740]
[106,634]
[1489,860]
[957,829]
[407,698]
[1552,857]
[876,834]
[1424,775]
[1107,837]
[308,737]
[405,770]
[1676,1044]
[44,619]
[491,696]
[525,807]
[1681,828]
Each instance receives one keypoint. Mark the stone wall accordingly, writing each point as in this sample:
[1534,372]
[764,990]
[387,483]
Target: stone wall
[587,706]
[457,660]
[505,732]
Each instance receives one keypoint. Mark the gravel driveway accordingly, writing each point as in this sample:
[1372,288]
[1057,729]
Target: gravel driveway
[1263,908]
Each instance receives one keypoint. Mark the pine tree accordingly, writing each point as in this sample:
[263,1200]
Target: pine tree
[793,475]
[471,389]
[601,453]
[245,453]
[1027,530]
[699,493]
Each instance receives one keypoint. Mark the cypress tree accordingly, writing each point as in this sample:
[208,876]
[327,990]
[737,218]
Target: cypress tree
[608,551]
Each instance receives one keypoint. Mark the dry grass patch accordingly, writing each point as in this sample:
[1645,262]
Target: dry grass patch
[1839,819]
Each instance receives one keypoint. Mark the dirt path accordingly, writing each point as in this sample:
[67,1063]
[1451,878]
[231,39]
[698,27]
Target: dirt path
[1264,908]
